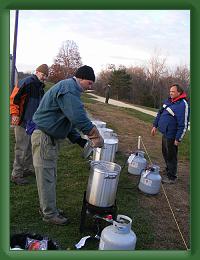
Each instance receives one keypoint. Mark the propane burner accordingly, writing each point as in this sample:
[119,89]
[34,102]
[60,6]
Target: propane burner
[98,216]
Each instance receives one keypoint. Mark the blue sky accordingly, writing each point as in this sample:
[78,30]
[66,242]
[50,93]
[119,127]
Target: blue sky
[127,37]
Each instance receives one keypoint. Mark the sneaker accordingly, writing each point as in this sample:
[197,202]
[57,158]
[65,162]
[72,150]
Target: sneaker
[168,181]
[57,220]
[60,211]
[19,180]
[28,173]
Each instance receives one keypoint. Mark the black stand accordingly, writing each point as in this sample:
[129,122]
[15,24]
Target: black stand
[92,211]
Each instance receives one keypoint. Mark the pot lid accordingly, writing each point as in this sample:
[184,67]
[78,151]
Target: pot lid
[110,141]
[106,167]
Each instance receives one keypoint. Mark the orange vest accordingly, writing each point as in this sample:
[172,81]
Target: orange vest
[16,109]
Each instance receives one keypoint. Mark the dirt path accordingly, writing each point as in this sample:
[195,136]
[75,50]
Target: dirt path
[168,235]
[122,104]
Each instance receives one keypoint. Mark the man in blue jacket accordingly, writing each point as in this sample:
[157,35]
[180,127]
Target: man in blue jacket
[172,122]
[60,114]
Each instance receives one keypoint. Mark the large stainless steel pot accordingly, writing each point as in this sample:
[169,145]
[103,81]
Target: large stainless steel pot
[102,183]
[107,152]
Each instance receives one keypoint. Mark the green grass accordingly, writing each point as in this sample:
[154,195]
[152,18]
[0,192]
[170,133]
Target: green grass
[87,98]
[184,148]
[73,173]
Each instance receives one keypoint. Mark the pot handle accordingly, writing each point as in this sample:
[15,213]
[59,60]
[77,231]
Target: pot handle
[110,176]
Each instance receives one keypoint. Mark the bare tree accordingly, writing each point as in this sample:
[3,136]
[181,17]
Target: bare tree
[104,78]
[56,73]
[146,85]
[66,62]
[182,73]
[138,92]
[156,70]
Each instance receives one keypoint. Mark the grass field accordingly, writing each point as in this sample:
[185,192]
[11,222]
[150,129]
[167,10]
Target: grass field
[73,173]
[184,150]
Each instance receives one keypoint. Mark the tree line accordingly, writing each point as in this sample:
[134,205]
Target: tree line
[142,85]
[146,86]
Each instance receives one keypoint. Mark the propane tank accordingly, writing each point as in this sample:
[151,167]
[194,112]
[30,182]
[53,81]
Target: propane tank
[136,162]
[118,236]
[150,180]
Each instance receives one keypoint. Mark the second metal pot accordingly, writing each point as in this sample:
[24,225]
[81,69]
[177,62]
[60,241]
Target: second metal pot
[107,152]
[102,183]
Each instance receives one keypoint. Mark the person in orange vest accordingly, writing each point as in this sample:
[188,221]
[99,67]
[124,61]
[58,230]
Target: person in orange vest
[24,101]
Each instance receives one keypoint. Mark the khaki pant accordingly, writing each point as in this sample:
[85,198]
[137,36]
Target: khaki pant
[23,155]
[45,154]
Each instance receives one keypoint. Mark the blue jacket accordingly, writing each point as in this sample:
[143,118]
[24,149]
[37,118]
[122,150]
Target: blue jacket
[61,111]
[172,118]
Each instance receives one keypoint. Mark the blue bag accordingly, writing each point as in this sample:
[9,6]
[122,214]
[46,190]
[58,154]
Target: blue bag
[30,127]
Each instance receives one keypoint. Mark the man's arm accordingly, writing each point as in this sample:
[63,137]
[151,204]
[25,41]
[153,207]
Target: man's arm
[182,116]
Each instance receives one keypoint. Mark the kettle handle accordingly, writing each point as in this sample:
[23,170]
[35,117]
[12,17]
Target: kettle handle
[122,224]
[110,176]
[124,217]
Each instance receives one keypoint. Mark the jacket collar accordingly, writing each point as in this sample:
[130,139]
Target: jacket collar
[40,82]
[183,95]
[79,85]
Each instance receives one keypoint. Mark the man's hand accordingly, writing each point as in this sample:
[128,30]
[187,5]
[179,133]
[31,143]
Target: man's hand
[176,142]
[97,142]
[95,138]
[153,131]
[14,120]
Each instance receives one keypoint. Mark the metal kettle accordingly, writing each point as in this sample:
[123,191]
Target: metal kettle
[102,183]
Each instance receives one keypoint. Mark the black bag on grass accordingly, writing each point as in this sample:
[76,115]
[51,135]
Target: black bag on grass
[29,241]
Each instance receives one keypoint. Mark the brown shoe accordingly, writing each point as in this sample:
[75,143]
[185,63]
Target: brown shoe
[57,220]
[19,180]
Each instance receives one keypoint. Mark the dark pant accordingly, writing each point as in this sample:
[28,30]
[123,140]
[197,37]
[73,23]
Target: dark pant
[170,152]
[107,98]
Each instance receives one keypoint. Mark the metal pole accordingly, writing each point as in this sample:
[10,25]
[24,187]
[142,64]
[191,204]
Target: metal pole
[14,50]
[139,141]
